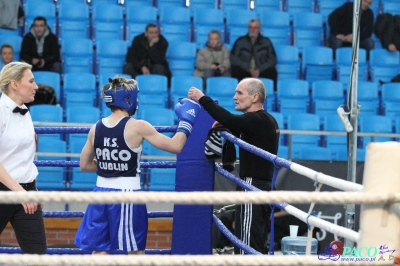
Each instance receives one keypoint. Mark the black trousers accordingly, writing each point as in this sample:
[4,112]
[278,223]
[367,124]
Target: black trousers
[29,228]
[252,221]
[269,73]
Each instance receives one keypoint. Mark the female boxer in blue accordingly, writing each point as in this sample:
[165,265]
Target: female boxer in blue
[113,150]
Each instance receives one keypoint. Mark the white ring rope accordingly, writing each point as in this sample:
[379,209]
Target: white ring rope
[209,197]
[326,179]
[155,260]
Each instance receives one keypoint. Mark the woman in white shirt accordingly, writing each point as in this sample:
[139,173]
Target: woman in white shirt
[17,151]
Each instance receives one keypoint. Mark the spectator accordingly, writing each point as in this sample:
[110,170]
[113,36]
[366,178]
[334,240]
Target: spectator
[11,14]
[387,29]
[7,55]
[147,54]
[253,55]
[212,60]
[40,47]
[341,26]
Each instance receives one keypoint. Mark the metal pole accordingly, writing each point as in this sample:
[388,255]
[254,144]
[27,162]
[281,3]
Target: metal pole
[354,110]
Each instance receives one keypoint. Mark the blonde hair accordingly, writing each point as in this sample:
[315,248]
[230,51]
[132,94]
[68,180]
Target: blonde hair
[12,71]
[118,82]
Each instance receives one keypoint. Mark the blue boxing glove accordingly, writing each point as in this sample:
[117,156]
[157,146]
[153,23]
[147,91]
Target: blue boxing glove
[187,112]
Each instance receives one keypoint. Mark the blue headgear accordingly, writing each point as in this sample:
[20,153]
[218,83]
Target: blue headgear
[122,98]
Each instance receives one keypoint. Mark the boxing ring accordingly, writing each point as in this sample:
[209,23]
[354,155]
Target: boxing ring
[194,198]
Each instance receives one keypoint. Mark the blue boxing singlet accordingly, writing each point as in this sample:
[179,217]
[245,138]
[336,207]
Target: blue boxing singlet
[114,157]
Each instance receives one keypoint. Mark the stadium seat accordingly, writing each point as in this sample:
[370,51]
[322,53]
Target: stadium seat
[221,86]
[153,91]
[315,154]
[199,4]
[51,178]
[237,21]
[268,5]
[325,7]
[338,144]
[82,114]
[227,5]
[368,96]
[288,65]
[85,181]
[270,102]
[180,86]
[9,32]
[392,7]
[375,124]
[162,179]
[158,116]
[14,41]
[343,65]
[51,79]
[181,57]
[384,65]
[79,89]
[317,63]
[46,113]
[307,30]
[35,8]
[391,100]
[205,20]
[327,96]
[279,119]
[176,32]
[51,145]
[160,4]
[73,20]
[110,56]
[276,26]
[77,55]
[299,6]
[307,122]
[105,26]
[175,23]
[292,97]
[137,18]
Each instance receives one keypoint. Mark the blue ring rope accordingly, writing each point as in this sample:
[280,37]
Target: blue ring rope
[55,130]
[80,214]
[60,163]
[59,251]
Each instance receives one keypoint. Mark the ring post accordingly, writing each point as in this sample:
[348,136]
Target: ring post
[192,224]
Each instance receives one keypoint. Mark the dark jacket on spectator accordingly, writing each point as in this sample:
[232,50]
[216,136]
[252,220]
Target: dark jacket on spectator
[51,49]
[263,52]
[341,21]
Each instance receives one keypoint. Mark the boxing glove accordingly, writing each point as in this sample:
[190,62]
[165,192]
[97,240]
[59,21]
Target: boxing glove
[187,112]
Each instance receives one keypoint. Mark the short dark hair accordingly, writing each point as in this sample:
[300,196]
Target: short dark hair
[6,45]
[40,18]
[151,25]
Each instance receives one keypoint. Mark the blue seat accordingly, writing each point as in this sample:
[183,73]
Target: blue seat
[205,20]
[307,122]
[175,24]
[279,119]
[37,8]
[237,21]
[317,63]
[308,30]
[77,55]
[73,20]
[162,179]
[82,114]
[268,5]
[106,26]
[85,181]
[51,145]
[51,79]
[368,96]
[338,144]
[181,57]
[221,86]
[159,116]
[46,113]
[283,151]
[79,89]
[299,6]
[292,97]
[343,65]
[14,41]
[110,56]
[288,66]
[180,86]
[176,33]
[270,102]
[227,5]
[9,32]
[391,7]
[315,154]
[276,26]
[384,65]
[375,124]
[327,96]
[199,4]
[391,100]
[137,18]
[160,4]
[51,178]
[153,91]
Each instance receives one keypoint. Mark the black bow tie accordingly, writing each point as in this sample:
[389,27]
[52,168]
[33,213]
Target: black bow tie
[20,110]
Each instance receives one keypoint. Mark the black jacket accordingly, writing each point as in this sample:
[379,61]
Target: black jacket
[140,54]
[51,50]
